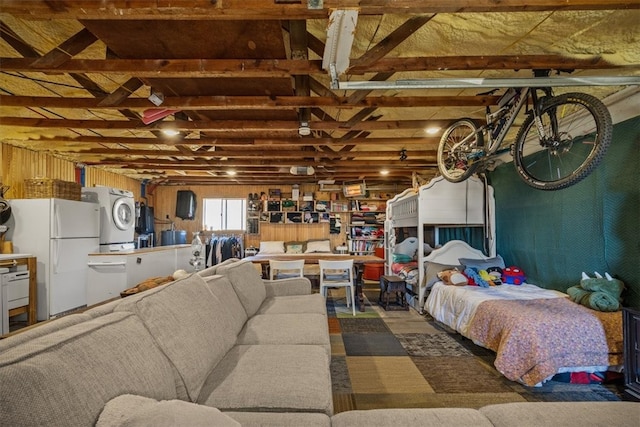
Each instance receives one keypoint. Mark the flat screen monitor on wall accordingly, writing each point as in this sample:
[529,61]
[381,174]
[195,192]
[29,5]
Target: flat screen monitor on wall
[186,204]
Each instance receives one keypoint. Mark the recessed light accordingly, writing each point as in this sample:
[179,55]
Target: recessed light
[170,132]
[432,130]
[231,173]
[384,172]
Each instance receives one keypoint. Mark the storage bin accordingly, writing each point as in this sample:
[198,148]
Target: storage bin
[46,188]
[373,271]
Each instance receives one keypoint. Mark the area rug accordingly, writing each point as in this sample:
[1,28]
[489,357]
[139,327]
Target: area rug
[401,359]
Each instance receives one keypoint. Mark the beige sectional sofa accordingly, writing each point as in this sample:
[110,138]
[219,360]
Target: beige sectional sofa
[222,347]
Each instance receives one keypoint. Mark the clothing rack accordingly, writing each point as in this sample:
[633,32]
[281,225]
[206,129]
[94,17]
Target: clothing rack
[222,246]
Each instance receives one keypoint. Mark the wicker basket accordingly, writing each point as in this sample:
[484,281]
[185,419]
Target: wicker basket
[44,188]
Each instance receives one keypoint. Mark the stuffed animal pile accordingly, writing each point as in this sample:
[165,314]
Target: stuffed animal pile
[598,293]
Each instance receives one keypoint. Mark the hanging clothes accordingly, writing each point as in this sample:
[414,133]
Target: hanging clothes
[223,247]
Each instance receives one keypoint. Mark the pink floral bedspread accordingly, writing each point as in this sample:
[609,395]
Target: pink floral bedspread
[534,338]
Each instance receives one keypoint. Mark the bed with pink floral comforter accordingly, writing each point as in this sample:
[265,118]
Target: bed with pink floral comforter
[535,339]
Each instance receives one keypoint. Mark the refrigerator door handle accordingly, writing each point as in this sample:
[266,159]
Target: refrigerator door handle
[56,221]
[55,255]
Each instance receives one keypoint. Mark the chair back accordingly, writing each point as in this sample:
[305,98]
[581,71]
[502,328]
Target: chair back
[338,274]
[336,271]
[285,269]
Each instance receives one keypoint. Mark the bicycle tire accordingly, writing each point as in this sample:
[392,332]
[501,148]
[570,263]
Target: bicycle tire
[585,129]
[454,165]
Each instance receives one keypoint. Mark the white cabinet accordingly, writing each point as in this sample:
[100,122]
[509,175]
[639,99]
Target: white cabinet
[107,277]
[109,274]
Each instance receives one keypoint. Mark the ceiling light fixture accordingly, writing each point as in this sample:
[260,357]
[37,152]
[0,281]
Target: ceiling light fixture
[432,130]
[170,132]
[384,172]
[304,129]
[231,172]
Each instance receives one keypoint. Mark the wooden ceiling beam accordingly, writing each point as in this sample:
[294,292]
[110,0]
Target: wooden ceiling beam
[66,50]
[391,41]
[242,154]
[221,126]
[264,10]
[261,163]
[234,142]
[278,68]
[249,102]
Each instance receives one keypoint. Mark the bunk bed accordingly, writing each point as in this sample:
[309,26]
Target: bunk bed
[434,206]
[535,332]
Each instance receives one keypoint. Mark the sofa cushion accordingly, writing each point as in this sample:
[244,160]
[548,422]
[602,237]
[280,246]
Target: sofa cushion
[290,286]
[190,326]
[280,419]
[271,378]
[450,417]
[305,328]
[130,411]
[248,284]
[210,271]
[222,288]
[313,303]
[66,377]
[566,414]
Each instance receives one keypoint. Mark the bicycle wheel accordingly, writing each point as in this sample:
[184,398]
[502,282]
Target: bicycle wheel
[457,164]
[569,153]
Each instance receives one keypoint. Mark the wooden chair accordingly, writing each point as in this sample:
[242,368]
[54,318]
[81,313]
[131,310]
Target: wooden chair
[338,274]
[285,269]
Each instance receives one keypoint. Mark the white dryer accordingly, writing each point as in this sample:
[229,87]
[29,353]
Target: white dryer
[117,217]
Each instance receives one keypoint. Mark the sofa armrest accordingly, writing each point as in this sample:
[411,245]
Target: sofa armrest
[286,287]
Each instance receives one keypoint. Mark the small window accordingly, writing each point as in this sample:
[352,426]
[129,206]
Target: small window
[224,214]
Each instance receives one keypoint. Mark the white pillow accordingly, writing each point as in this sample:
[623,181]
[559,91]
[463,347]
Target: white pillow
[318,246]
[272,247]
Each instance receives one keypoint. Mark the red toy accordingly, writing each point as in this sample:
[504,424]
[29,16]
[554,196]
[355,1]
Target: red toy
[513,276]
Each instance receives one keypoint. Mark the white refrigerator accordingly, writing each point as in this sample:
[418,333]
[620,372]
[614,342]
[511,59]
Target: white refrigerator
[61,234]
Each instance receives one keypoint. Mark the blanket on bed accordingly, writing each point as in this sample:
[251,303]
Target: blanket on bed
[533,339]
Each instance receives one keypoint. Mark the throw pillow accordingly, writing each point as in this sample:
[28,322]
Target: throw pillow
[275,247]
[294,248]
[318,246]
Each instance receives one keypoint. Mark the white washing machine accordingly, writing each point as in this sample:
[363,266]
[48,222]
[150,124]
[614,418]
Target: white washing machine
[117,217]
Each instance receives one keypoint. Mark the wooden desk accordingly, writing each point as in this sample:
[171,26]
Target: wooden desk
[358,261]
[12,260]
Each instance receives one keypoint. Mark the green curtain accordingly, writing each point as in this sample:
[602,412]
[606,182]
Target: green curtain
[591,226]
[474,236]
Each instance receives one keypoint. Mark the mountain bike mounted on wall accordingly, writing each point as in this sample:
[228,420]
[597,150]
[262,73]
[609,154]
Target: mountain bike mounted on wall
[561,140]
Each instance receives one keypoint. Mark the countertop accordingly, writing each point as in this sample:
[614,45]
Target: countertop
[4,257]
[141,250]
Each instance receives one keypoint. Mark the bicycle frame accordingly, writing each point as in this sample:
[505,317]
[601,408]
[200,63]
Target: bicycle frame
[500,121]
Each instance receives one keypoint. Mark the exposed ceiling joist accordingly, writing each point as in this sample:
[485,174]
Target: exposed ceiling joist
[75,77]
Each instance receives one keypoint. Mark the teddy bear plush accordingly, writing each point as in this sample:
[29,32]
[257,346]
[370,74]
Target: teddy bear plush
[452,277]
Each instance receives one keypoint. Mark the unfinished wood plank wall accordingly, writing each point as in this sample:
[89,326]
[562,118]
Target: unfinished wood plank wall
[19,164]
[163,199]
